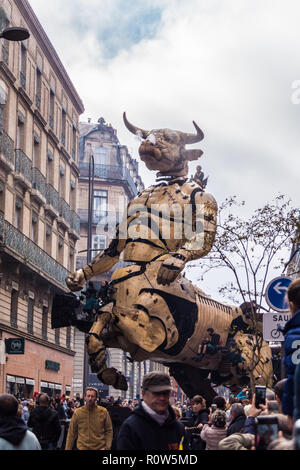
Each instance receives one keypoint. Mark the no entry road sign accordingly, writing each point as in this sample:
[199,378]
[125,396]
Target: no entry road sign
[276,294]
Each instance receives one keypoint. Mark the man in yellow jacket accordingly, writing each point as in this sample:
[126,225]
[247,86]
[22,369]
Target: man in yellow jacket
[90,425]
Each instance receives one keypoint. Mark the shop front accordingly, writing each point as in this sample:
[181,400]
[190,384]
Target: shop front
[21,387]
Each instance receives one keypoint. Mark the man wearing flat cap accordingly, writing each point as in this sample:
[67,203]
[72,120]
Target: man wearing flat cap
[153,425]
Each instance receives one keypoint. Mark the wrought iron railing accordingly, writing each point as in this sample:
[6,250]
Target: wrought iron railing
[75,222]
[30,252]
[65,211]
[97,216]
[7,147]
[39,182]
[52,197]
[110,172]
[23,165]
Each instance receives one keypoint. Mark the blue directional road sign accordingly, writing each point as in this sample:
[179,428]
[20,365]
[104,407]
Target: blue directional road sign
[276,293]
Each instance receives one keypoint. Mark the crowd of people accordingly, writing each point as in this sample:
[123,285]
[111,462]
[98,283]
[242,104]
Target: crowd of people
[88,423]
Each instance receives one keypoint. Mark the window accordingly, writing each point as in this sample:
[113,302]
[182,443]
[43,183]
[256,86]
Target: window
[61,183]
[57,331]
[48,239]
[18,214]
[38,88]
[3,105]
[30,316]
[20,132]
[74,142]
[45,323]
[5,50]
[49,168]
[100,155]
[60,250]
[36,153]
[34,228]
[14,308]
[51,109]
[68,340]
[23,57]
[63,126]
[99,243]
[100,204]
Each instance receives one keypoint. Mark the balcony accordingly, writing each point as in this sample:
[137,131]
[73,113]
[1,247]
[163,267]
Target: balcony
[5,54]
[52,201]
[39,186]
[116,174]
[65,218]
[75,224]
[7,151]
[112,217]
[23,169]
[19,246]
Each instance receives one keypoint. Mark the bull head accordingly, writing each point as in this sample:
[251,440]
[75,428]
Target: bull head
[164,149]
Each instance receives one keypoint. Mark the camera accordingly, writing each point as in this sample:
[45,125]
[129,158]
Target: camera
[213,408]
[266,431]
[260,395]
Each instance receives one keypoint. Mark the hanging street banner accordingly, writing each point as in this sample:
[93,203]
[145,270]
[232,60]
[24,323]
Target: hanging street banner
[275,294]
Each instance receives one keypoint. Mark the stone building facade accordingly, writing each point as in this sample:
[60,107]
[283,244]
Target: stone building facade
[39,226]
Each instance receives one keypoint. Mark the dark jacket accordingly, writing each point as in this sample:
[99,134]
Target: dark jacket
[13,430]
[236,425]
[292,334]
[118,414]
[44,422]
[141,432]
[193,435]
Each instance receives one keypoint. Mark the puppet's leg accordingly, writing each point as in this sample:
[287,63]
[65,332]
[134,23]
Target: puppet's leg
[97,352]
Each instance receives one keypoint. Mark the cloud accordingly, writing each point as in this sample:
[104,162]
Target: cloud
[227,65]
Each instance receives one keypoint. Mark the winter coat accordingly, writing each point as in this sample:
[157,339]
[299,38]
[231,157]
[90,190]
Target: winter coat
[92,429]
[212,435]
[141,432]
[118,414]
[14,435]
[236,425]
[237,441]
[45,424]
[292,334]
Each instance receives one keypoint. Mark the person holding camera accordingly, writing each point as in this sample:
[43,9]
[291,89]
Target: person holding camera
[200,417]
[213,432]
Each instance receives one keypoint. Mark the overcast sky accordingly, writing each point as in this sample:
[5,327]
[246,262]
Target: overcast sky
[229,65]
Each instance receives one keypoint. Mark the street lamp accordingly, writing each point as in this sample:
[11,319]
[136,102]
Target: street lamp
[15,34]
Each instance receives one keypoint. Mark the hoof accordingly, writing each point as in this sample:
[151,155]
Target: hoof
[112,377]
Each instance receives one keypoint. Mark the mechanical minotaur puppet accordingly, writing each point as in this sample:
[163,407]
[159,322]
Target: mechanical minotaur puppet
[154,312]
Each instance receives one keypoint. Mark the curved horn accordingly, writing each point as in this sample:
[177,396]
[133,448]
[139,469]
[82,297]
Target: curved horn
[192,138]
[132,128]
